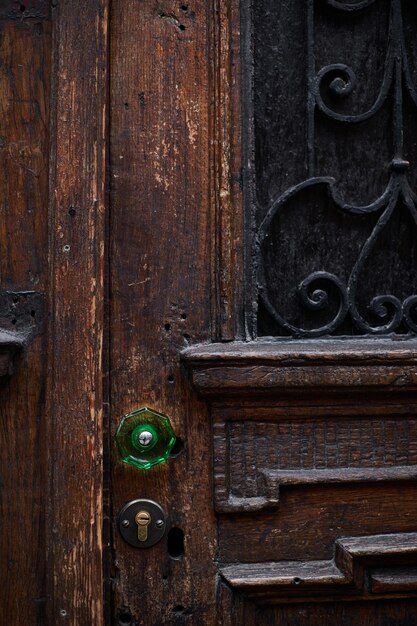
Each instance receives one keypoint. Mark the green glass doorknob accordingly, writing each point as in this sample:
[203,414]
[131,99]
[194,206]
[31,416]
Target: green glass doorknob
[144,438]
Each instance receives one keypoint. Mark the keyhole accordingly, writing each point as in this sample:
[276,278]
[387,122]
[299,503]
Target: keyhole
[143,519]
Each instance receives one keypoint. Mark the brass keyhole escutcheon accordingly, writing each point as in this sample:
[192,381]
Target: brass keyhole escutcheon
[142,523]
[143,519]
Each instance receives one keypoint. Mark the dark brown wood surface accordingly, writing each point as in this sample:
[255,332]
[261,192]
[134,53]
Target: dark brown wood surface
[77,235]
[293,501]
[293,478]
[337,364]
[160,294]
[227,216]
[393,612]
[25,68]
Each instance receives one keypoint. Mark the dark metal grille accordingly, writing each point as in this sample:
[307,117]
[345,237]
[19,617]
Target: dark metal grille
[332,145]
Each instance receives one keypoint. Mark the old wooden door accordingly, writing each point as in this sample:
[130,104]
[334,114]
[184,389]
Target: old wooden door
[209,209]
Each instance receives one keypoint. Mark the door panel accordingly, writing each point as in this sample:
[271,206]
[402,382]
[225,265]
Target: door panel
[394,613]
[312,448]
[160,295]
[299,419]
[230,242]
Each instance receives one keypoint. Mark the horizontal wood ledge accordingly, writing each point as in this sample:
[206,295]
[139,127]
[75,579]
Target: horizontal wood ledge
[365,566]
[239,367]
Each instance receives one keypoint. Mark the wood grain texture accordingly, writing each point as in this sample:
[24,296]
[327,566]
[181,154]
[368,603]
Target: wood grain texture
[346,574]
[160,293]
[393,580]
[228,214]
[25,9]
[290,352]
[296,139]
[75,401]
[25,67]
[310,519]
[175,256]
[393,612]
[256,368]
[254,459]
[11,346]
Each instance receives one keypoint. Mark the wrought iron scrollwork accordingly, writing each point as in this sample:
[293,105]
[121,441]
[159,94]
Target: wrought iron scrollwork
[386,312]
[349,7]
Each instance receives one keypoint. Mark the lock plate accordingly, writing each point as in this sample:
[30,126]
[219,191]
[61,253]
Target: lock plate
[142,523]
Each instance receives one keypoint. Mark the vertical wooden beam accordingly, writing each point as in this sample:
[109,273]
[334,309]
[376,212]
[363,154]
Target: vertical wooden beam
[226,160]
[77,246]
[160,294]
[25,55]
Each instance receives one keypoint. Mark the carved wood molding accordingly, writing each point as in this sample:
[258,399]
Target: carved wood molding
[368,567]
[255,458]
[259,368]
[257,453]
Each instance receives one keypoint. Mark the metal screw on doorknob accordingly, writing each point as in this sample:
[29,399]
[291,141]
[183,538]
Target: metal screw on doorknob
[125,523]
[159,523]
[145,438]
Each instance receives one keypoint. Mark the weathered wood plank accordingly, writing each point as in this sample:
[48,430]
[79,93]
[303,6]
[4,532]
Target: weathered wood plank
[161,292]
[228,213]
[25,9]
[345,575]
[75,402]
[25,67]
[259,367]
[395,612]
[394,580]
[286,352]
[256,456]
[310,519]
